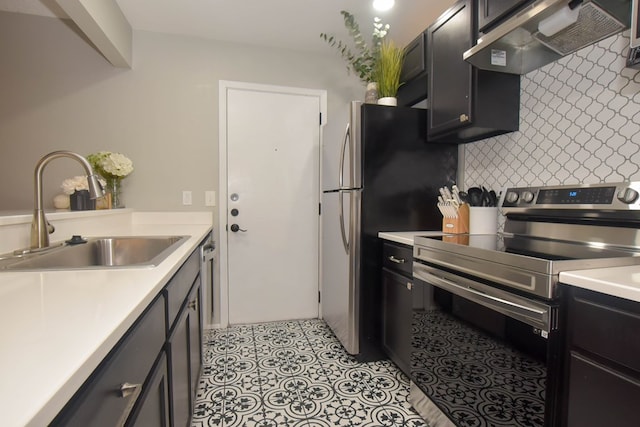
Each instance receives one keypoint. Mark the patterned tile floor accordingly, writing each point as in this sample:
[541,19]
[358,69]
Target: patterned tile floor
[295,374]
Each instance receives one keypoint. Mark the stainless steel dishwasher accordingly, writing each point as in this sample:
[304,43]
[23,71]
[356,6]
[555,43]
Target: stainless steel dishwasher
[207,280]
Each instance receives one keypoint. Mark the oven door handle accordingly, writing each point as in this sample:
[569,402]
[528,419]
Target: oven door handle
[538,317]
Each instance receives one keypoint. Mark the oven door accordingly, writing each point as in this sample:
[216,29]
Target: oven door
[481,356]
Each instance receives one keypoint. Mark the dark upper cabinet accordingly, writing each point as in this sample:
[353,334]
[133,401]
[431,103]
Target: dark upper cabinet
[493,12]
[465,104]
[414,72]
[415,59]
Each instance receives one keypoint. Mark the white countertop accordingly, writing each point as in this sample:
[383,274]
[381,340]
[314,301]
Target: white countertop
[623,282]
[406,237]
[59,325]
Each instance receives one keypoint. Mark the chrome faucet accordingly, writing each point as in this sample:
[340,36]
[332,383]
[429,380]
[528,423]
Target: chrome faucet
[40,227]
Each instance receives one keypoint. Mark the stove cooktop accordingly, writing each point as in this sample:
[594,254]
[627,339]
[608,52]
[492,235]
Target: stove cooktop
[548,230]
[547,249]
[529,264]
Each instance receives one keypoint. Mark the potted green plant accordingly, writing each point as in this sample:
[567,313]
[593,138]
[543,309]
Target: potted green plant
[387,71]
[360,56]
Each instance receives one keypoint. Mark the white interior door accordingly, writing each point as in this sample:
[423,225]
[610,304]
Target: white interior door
[272,143]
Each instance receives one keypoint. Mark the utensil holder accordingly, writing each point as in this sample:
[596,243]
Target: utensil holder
[483,220]
[457,225]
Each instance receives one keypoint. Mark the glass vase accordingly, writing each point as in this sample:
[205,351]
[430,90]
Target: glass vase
[114,186]
[371,95]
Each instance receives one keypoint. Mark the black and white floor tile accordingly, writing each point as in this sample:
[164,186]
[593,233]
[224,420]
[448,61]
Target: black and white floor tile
[295,374]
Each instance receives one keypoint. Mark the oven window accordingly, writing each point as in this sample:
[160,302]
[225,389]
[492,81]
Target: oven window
[478,366]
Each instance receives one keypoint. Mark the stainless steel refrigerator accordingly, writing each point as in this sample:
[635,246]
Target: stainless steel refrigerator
[383,175]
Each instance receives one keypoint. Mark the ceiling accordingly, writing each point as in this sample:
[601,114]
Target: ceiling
[289,24]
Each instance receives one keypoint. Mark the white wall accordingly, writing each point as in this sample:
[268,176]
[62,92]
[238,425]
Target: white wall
[57,92]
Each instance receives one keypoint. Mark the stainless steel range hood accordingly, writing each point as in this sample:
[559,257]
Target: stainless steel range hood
[520,45]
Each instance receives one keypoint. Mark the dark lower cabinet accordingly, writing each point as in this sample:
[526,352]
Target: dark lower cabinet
[185,359]
[195,339]
[602,382]
[600,395]
[154,407]
[108,397]
[151,375]
[396,303]
[179,368]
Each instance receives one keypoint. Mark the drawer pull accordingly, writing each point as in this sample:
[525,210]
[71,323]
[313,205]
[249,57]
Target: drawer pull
[396,260]
[126,390]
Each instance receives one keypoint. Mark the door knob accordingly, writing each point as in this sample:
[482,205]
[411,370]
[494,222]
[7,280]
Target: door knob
[235,228]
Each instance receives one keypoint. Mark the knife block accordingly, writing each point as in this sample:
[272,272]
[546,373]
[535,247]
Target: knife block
[458,225]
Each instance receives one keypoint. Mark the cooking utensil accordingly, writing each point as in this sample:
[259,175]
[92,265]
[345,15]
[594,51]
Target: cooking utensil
[475,196]
[486,201]
[464,197]
[493,197]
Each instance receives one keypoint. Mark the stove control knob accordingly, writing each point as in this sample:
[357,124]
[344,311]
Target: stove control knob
[511,197]
[527,196]
[627,195]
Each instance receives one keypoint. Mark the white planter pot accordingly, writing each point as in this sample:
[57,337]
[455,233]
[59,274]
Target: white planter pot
[391,101]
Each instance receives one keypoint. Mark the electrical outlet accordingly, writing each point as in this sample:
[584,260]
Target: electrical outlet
[209,198]
[187,198]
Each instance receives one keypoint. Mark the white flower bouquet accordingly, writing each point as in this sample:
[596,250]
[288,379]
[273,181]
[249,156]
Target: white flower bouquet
[113,167]
[110,165]
[77,183]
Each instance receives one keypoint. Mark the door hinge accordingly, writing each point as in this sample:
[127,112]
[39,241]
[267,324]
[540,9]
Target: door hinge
[320,119]
[318,297]
[226,227]
[319,208]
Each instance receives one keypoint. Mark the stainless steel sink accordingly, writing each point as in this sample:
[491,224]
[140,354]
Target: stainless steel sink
[97,253]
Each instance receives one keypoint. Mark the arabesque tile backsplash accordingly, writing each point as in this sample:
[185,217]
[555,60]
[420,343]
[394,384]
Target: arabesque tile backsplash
[579,123]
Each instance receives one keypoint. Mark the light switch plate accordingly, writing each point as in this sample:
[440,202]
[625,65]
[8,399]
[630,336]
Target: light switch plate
[209,198]
[187,198]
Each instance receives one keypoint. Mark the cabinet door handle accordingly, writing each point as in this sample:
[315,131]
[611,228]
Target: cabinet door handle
[132,391]
[193,304]
[396,260]
[127,389]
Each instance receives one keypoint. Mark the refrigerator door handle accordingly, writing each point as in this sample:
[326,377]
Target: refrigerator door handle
[347,137]
[345,241]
